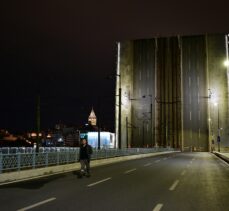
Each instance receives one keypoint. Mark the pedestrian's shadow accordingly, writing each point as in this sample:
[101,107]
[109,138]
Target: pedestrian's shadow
[77,173]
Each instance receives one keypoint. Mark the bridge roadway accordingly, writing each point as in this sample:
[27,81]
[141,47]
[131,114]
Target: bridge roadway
[178,181]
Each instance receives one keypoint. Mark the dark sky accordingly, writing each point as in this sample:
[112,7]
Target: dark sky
[64,49]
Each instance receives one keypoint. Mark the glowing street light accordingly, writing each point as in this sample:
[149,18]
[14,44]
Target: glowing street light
[226,63]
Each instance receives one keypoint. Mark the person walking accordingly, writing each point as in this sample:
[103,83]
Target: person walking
[84,158]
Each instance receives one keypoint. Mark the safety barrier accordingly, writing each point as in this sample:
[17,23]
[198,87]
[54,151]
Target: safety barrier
[25,160]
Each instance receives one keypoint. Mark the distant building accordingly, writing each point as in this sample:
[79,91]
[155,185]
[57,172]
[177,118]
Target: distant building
[107,139]
[92,118]
[60,126]
[90,132]
[72,139]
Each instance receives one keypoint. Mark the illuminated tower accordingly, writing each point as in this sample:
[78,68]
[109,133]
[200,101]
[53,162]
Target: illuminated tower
[92,118]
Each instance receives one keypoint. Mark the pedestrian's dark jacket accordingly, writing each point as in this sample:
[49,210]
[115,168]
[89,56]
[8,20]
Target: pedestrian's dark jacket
[85,152]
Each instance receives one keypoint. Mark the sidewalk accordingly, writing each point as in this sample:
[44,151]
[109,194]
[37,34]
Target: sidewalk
[222,155]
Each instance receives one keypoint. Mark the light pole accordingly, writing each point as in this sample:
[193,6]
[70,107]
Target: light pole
[38,123]
[119,112]
[151,116]
[119,95]
[143,130]
[131,126]
[218,137]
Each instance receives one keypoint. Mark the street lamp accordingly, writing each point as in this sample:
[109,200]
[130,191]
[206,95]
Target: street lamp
[128,125]
[38,123]
[218,137]
[119,95]
[151,115]
[119,112]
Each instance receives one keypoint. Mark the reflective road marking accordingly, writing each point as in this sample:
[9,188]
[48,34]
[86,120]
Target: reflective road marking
[126,172]
[96,183]
[158,207]
[37,204]
[174,185]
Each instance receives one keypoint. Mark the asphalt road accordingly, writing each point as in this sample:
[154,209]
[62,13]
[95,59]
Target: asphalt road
[178,181]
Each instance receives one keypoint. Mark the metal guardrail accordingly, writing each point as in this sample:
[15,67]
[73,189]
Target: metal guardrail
[31,160]
[10,150]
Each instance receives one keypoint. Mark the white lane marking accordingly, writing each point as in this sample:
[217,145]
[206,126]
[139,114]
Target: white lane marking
[191,162]
[147,164]
[37,204]
[96,183]
[183,173]
[131,170]
[174,185]
[157,207]
[157,161]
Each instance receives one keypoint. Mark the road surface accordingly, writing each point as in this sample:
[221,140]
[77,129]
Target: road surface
[178,181]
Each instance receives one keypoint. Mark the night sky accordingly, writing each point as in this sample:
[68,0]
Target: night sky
[64,51]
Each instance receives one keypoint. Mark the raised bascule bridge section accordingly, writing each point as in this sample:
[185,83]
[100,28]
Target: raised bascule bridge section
[174,92]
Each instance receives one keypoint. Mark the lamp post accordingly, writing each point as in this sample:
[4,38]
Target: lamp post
[218,137]
[151,116]
[119,112]
[119,95]
[131,126]
[38,123]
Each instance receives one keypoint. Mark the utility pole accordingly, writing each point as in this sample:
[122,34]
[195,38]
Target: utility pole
[151,121]
[98,119]
[151,117]
[127,137]
[99,136]
[218,139]
[119,114]
[119,104]
[38,123]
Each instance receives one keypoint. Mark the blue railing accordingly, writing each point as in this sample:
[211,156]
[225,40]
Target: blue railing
[18,159]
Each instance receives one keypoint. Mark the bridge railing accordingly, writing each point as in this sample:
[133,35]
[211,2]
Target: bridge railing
[30,160]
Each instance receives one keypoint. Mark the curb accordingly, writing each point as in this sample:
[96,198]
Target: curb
[24,175]
[221,156]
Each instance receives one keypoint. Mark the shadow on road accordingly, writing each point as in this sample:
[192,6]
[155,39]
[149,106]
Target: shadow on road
[35,183]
